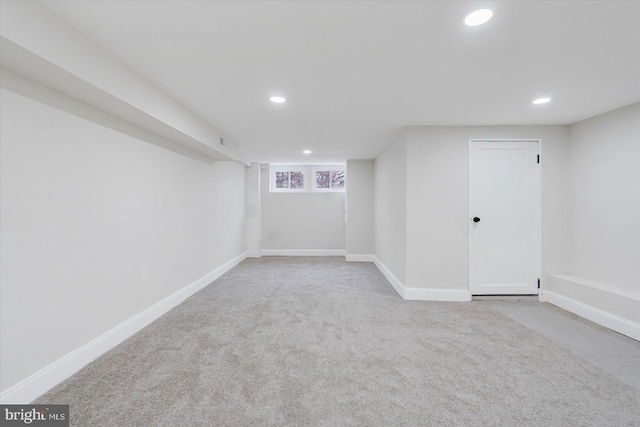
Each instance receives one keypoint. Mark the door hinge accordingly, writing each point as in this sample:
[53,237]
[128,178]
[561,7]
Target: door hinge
[538,158]
[538,283]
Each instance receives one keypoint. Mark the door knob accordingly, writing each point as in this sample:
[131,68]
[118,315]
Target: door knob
[476,219]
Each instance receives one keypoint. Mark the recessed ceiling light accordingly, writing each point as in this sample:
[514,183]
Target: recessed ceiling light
[277,99]
[477,17]
[541,100]
[307,151]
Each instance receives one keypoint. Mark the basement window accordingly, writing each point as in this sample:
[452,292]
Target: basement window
[288,179]
[329,178]
[307,179]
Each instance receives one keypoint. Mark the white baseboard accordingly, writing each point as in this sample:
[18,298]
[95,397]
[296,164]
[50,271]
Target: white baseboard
[601,317]
[421,294]
[35,385]
[360,258]
[303,252]
[395,282]
[435,294]
[603,287]
[255,254]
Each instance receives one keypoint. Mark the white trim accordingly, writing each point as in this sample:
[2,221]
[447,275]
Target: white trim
[303,252]
[422,294]
[538,142]
[397,284]
[539,219]
[35,385]
[255,254]
[434,294]
[360,258]
[601,317]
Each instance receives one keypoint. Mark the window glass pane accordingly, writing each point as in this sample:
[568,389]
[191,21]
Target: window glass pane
[282,179]
[297,180]
[322,179]
[337,179]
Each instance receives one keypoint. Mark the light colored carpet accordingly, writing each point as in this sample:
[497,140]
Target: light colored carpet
[319,341]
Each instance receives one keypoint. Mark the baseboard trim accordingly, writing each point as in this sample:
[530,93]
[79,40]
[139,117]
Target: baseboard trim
[436,294]
[421,294]
[601,317]
[303,252]
[360,258]
[255,254]
[35,385]
[597,285]
[395,282]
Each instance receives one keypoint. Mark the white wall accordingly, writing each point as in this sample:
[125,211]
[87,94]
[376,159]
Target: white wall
[390,207]
[438,200]
[83,208]
[604,199]
[254,210]
[602,279]
[301,220]
[360,199]
[46,49]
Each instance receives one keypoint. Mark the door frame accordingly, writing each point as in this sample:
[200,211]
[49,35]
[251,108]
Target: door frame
[538,196]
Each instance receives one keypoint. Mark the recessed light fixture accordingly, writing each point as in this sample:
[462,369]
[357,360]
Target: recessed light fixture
[306,152]
[477,17]
[541,100]
[277,99]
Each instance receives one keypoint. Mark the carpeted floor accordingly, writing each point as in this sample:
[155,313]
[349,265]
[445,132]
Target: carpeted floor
[319,341]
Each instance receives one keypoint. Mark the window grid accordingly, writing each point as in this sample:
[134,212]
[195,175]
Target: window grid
[311,178]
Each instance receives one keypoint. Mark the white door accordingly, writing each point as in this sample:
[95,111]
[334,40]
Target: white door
[503,217]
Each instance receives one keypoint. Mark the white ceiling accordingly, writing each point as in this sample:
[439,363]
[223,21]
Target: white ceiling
[355,73]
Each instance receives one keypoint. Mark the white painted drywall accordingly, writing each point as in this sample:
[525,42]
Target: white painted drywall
[604,199]
[254,210]
[603,239]
[82,209]
[360,196]
[390,207]
[438,200]
[41,32]
[301,220]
